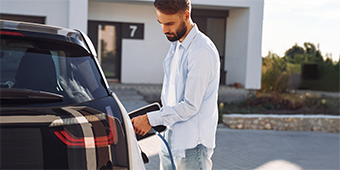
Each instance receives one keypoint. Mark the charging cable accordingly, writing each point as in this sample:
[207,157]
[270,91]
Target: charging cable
[169,150]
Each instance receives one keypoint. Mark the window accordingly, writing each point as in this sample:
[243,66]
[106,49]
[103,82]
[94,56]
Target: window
[63,69]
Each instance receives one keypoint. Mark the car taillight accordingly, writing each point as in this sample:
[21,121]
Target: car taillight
[12,33]
[95,140]
[88,142]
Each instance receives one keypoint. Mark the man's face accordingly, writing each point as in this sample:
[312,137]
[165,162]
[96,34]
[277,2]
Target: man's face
[173,25]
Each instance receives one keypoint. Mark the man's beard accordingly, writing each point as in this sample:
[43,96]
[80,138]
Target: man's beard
[180,32]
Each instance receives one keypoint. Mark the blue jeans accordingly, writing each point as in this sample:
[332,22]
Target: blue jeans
[198,158]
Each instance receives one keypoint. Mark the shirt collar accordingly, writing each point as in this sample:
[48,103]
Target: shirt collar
[187,41]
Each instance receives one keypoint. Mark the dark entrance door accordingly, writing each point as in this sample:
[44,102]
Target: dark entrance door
[213,24]
[107,40]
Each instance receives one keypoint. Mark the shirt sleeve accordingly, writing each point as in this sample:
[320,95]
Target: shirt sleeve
[200,68]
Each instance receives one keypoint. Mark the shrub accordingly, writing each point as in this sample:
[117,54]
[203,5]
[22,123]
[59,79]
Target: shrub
[274,74]
[328,78]
[316,73]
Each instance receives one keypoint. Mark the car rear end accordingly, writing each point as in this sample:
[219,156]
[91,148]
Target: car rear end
[57,111]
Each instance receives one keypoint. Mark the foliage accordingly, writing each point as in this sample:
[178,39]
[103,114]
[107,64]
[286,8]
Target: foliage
[300,55]
[276,70]
[294,68]
[274,74]
[285,103]
[328,78]
[274,101]
[290,53]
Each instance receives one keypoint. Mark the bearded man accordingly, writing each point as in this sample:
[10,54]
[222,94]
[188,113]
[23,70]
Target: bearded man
[189,93]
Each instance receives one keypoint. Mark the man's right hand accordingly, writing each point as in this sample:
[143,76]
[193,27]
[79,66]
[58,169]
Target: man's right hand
[141,124]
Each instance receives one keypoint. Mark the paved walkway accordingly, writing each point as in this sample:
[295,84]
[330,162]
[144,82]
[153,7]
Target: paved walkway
[265,150]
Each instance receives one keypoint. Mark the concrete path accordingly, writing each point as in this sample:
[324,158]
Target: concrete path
[265,150]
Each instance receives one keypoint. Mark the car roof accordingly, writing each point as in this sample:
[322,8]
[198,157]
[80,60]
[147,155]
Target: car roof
[33,27]
[41,31]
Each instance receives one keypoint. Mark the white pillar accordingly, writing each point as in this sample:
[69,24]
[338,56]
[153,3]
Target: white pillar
[78,15]
[254,58]
[243,46]
[237,45]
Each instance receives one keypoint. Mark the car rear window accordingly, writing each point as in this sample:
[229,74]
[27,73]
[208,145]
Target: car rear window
[56,67]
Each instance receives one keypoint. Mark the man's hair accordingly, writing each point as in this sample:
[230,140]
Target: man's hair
[172,6]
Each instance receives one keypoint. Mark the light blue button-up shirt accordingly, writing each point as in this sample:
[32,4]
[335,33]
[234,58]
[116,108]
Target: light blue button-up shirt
[193,119]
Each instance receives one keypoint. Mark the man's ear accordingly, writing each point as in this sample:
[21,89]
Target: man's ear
[187,15]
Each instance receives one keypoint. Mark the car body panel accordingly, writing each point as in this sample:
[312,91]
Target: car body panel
[137,162]
[91,123]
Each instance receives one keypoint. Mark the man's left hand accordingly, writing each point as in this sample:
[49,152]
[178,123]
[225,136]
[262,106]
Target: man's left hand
[141,124]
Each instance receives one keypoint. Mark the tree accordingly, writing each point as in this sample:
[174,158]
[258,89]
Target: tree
[318,56]
[300,55]
[290,53]
[310,48]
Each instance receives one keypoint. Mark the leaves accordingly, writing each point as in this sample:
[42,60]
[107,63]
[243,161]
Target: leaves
[276,70]
[274,74]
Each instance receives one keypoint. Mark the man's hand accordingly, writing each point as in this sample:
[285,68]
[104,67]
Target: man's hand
[141,124]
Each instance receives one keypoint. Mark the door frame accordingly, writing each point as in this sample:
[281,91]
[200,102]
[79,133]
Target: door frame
[92,30]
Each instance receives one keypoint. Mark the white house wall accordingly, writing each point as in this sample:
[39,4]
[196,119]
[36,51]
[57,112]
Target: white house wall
[142,60]
[63,13]
[243,59]
[77,18]
[243,39]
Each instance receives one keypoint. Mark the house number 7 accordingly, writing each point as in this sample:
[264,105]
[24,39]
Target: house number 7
[133,30]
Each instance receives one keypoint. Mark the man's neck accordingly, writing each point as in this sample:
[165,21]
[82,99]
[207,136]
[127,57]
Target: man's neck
[190,26]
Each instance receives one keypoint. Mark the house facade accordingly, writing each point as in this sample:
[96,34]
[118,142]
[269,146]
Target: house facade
[131,46]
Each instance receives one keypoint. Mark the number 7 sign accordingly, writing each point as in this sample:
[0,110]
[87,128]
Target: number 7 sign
[132,31]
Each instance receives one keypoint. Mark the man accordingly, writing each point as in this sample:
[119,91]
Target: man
[190,89]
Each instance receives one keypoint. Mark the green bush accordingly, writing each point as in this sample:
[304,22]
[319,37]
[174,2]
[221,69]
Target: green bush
[294,68]
[328,78]
[275,75]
